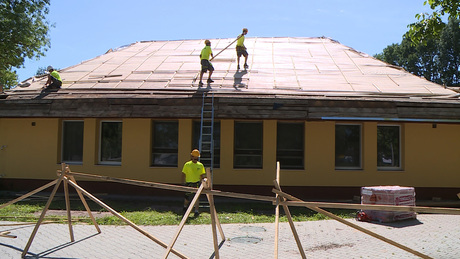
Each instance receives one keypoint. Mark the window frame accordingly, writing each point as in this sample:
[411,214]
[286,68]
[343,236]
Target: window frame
[248,151]
[391,168]
[152,143]
[100,161]
[292,150]
[360,145]
[63,135]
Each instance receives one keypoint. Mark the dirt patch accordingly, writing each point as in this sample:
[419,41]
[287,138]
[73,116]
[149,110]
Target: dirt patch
[329,246]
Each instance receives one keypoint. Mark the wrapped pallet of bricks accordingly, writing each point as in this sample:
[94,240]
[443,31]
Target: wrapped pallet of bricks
[388,195]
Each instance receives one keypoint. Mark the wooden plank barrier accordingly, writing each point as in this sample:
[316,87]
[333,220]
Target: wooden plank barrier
[331,215]
[281,199]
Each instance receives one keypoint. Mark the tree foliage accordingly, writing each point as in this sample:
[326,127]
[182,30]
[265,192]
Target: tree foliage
[23,34]
[430,25]
[438,60]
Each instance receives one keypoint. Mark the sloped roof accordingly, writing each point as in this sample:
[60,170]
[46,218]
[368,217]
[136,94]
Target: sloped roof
[292,66]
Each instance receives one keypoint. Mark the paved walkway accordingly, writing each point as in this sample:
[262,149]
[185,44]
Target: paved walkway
[437,236]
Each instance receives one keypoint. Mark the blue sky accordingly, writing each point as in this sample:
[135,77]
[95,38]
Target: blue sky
[85,29]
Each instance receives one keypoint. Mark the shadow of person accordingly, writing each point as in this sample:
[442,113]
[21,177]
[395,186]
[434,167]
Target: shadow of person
[45,92]
[238,79]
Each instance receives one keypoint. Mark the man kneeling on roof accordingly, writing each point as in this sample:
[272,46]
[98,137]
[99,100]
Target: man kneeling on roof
[54,79]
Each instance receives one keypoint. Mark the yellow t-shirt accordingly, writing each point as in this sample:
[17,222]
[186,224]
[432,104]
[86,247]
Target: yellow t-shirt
[193,171]
[56,75]
[240,41]
[206,52]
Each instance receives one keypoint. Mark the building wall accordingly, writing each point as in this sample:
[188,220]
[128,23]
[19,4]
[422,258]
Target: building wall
[31,150]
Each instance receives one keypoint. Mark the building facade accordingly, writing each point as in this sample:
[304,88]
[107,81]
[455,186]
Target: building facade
[334,118]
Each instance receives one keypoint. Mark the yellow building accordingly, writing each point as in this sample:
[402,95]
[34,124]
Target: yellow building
[336,120]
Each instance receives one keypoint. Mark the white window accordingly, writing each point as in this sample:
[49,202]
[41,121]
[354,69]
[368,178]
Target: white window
[389,147]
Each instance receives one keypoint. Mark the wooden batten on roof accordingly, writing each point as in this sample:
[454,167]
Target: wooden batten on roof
[288,78]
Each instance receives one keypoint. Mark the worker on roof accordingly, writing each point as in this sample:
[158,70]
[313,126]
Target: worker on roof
[205,63]
[54,79]
[192,174]
[241,49]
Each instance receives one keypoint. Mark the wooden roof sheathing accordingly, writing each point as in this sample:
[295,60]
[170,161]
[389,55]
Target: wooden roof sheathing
[304,66]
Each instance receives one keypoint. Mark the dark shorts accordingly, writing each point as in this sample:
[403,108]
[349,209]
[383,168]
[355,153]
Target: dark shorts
[189,195]
[241,51]
[55,84]
[206,65]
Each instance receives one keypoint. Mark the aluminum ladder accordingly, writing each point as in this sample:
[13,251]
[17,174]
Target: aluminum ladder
[206,143]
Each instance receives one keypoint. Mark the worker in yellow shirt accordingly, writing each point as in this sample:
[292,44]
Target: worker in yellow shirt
[54,79]
[205,64]
[241,49]
[192,174]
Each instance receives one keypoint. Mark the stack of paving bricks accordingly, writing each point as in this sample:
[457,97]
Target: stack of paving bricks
[388,195]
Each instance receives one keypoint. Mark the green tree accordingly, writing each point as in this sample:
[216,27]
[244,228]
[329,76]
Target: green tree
[430,25]
[23,34]
[438,60]
[449,53]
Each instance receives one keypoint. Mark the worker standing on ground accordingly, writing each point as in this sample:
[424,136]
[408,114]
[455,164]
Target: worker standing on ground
[241,49]
[192,174]
[54,79]
[205,64]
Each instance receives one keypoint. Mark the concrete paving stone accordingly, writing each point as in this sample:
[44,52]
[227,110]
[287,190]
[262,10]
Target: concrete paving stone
[437,236]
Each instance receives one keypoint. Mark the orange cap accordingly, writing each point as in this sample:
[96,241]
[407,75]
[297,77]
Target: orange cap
[195,153]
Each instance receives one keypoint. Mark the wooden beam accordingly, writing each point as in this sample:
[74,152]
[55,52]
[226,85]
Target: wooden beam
[67,206]
[174,187]
[291,224]
[277,211]
[213,225]
[300,203]
[7,234]
[212,205]
[86,206]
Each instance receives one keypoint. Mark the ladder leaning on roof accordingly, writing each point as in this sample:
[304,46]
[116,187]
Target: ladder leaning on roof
[206,143]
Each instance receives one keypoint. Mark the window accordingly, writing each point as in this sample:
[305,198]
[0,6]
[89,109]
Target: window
[290,145]
[347,146]
[196,141]
[110,142]
[388,147]
[72,142]
[248,145]
[165,143]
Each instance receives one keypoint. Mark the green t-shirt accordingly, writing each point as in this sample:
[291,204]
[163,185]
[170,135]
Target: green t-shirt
[193,171]
[56,75]
[206,52]
[240,41]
